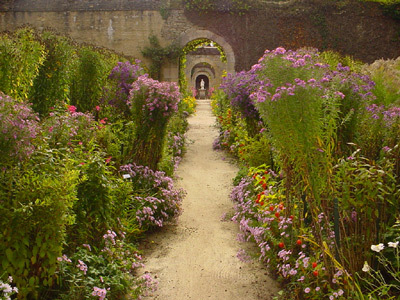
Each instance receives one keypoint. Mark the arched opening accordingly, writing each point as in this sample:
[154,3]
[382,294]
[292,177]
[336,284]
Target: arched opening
[202,58]
[202,82]
[202,85]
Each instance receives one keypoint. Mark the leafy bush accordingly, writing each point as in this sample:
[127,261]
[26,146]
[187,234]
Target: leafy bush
[319,209]
[35,207]
[154,200]
[122,76]
[21,56]
[238,89]
[98,199]
[91,77]
[19,126]
[104,272]
[152,103]
[53,80]
[364,192]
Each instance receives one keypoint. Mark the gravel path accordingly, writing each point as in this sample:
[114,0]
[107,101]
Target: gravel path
[196,259]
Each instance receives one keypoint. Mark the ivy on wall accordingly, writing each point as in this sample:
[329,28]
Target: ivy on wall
[233,6]
[159,55]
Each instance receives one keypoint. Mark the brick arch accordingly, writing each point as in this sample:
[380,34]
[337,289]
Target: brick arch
[194,34]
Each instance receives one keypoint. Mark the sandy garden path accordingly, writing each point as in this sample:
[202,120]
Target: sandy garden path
[196,259]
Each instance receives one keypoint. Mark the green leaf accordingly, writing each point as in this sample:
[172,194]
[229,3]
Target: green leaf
[9,254]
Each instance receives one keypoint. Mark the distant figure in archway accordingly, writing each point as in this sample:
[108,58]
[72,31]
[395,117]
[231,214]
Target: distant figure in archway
[202,84]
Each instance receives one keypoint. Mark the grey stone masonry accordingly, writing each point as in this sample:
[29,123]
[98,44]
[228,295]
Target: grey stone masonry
[77,5]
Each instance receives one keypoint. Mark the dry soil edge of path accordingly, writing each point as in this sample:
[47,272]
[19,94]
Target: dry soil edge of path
[196,259]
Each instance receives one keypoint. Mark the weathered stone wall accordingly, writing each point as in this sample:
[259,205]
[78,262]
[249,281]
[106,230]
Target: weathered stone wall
[74,5]
[358,29]
[355,28]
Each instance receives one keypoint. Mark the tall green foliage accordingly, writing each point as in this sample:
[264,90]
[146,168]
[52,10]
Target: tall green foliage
[153,104]
[21,55]
[86,86]
[52,83]
[35,210]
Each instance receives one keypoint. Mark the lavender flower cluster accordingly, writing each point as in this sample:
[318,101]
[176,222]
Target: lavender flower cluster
[157,201]
[238,88]
[19,126]
[160,97]
[388,115]
[124,74]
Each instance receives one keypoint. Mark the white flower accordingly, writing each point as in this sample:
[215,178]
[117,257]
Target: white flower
[377,248]
[393,245]
[366,267]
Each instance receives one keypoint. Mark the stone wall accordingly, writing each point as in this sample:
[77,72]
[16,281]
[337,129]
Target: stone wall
[78,5]
[351,27]
[355,28]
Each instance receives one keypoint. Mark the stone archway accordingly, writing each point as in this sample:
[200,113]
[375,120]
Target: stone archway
[195,34]
[202,93]
[206,59]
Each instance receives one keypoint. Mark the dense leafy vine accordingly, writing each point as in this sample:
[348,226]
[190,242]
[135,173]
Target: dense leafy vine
[159,55]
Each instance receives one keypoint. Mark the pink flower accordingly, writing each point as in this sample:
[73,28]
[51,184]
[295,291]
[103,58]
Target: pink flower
[280,50]
[71,109]
[97,108]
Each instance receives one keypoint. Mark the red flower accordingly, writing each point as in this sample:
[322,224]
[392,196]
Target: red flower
[71,108]
[315,273]
[314,265]
[280,206]
[281,245]
[261,203]
[298,242]
[264,186]
[277,214]
[271,208]
[291,217]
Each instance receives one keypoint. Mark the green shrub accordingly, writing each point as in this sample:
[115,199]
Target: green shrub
[153,103]
[21,55]
[97,194]
[35,208]
[367,194]
[53,81]
[19,127]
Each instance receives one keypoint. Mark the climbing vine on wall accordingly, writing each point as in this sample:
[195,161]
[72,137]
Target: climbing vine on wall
[159,55]
[233,6]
